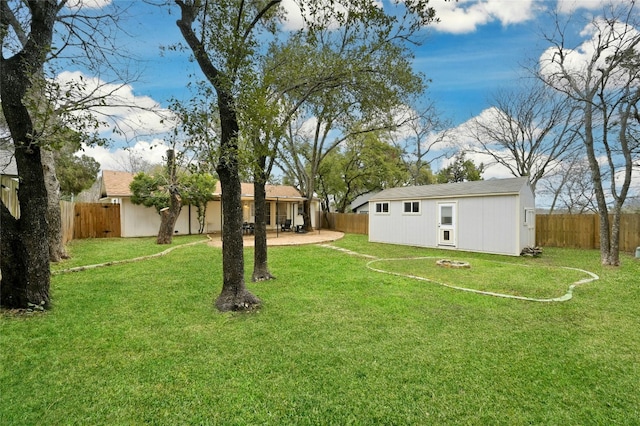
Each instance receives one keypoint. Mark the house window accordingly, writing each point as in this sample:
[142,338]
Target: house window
[382,207]
[412,207]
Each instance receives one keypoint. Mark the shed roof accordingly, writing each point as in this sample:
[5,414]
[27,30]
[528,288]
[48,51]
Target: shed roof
[459,189]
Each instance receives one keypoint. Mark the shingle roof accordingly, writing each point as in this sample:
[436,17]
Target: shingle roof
[361,200]
[116,184]
[458,189]
[273,191]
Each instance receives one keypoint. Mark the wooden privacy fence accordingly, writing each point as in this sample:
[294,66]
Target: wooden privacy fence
[583,231]
[92,220]
[346,222]
[567,230]
[67,215]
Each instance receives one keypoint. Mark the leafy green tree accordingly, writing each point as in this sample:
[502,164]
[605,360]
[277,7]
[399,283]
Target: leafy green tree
[366,164]
[167,191]
[462,170]
[74,173]
[227,40]
[198,191]
[149,191]
[366,67]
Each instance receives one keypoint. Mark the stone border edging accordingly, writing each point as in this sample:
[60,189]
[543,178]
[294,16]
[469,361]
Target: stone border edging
[124,261]
[567,296]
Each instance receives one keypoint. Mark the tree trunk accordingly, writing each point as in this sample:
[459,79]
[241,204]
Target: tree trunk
[56,246]
[260,267]
[594,166]
[169,216]
[12,292]
[26,277]
[234,295]
[25,253]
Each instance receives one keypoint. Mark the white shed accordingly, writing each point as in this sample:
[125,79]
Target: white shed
[490,216]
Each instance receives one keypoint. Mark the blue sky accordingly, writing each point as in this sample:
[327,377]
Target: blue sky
[478,47]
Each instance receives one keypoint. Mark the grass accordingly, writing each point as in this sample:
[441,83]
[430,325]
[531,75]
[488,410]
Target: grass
[101,250]
[509,278]
[334,343]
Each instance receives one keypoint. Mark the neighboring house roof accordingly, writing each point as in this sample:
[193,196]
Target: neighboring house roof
[458,189]
[273,191]
[361,201]
[116,184]
[7,163]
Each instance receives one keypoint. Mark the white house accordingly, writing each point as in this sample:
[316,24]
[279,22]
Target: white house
[283,203]
[491,216]
[9,181]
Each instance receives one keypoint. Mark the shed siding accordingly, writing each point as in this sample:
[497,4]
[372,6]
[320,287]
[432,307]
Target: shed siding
[488,224]
[484,224]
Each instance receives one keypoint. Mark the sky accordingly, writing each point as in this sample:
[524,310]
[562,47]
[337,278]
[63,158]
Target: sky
[477,48]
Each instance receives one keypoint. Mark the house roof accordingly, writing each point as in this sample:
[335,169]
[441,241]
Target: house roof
[273,191]
[361,200]
[458,189]
[116,184]
[7,163]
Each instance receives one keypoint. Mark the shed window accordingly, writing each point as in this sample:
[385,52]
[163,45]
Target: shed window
[529,217]
[382,207]
[412,206]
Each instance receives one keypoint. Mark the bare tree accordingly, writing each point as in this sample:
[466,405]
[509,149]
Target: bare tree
[424,138]
[570,187]
[602,76]
[529,130]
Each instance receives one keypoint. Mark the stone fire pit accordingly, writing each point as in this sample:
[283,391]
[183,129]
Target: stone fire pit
[446,263]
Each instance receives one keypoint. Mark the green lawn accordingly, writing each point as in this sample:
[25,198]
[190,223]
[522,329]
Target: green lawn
[334,343]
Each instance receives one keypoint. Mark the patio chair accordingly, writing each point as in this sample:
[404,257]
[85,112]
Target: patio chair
[248,228]
[286,226]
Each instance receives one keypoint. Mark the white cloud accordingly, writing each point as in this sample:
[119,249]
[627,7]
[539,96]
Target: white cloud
[116,105]
[570,6]
[295,17]
[466,15]
[577,60]
[121,159]
[88,4]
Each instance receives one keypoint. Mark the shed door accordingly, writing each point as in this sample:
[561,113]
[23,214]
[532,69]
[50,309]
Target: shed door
[447,224]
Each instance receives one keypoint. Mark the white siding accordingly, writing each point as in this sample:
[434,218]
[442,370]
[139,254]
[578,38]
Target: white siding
[140,221]
[488,224]
[483,224]
[396,227]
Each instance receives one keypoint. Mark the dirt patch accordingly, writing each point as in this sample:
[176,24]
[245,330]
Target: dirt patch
[287,238]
